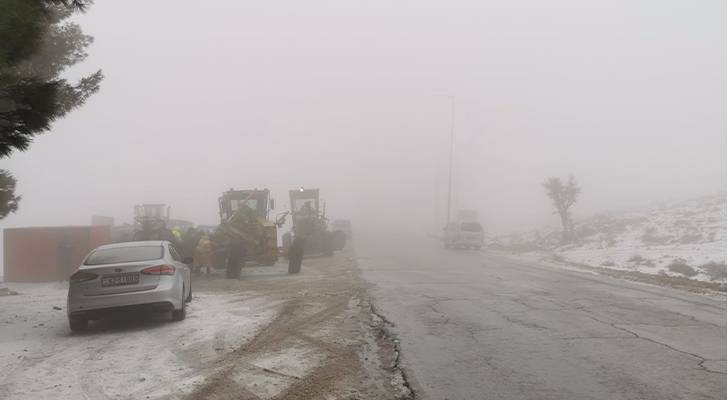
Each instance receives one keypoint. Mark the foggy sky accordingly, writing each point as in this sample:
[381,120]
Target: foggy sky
[353,97]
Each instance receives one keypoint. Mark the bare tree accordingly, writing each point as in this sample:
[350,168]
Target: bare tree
[563,196]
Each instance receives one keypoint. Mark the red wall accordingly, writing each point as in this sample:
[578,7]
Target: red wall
[46,254]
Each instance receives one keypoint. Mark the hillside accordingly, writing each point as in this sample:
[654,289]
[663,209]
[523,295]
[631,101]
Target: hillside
[681,239]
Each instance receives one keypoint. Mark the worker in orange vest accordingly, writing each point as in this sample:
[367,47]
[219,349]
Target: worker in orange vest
[203,256]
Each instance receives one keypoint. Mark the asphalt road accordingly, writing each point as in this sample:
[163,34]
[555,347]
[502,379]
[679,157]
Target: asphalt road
[474,325]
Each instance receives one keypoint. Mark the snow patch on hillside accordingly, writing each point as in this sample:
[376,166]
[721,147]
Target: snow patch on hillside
[686,239]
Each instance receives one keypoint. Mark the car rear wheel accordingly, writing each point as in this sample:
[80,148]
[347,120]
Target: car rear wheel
[78,324]
[181,314]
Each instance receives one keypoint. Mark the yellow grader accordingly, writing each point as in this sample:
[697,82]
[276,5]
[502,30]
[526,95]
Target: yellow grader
[245,233]
[309,233]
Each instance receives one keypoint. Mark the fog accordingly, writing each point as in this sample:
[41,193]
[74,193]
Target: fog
[355,98]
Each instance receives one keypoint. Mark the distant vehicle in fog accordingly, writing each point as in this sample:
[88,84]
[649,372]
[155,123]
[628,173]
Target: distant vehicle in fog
[464,234]
[146,274]
[343,225]
[467,215]
[151,222]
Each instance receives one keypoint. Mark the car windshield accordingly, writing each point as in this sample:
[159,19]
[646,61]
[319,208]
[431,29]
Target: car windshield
[124,254]
[470,227]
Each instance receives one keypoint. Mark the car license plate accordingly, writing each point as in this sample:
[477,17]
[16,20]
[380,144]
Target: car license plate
[120,280]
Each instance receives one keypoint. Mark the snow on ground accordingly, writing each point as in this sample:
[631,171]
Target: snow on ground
[685,239]
[670,259]
[265,336]
[41,359]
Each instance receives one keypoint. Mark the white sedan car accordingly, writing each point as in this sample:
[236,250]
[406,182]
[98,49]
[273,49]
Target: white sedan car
[148,274]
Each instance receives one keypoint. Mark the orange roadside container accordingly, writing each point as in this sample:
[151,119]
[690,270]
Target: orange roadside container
[46,254]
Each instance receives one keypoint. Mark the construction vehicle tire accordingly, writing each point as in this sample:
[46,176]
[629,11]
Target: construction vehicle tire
[295,256]
[338,240]
[236,257]
[327,244]
[286,240]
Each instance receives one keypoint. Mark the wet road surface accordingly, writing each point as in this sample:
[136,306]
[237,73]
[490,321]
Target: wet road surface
[475,325]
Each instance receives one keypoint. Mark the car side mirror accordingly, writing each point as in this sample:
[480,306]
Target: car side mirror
[187,260]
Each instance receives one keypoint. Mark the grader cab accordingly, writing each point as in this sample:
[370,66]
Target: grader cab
[150,223]
[309,233]
[245,232]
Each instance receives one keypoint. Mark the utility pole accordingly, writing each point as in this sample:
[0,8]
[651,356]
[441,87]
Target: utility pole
[452,140]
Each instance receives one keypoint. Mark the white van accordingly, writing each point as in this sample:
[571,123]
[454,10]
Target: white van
[464,234]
